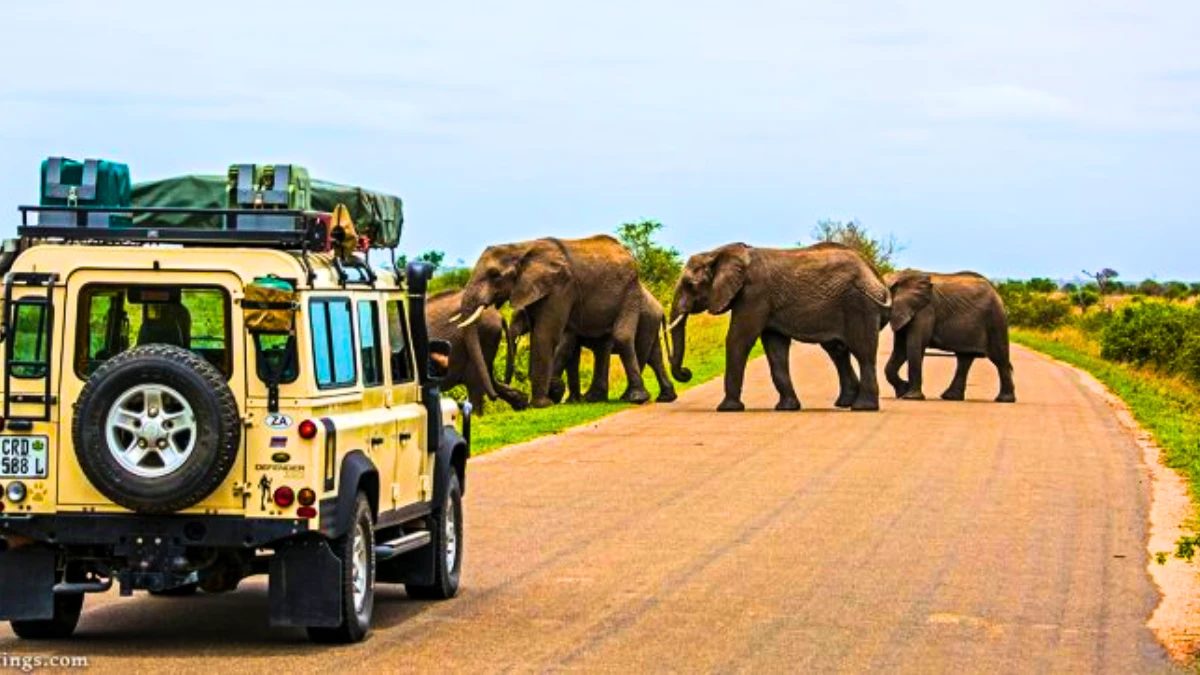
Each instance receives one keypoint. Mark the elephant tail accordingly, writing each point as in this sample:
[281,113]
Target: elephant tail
[882,297]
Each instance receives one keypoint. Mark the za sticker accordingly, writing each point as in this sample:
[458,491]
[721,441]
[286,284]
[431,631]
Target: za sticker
[278,421]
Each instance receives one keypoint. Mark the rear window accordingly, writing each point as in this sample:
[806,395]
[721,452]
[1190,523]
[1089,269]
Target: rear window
[30,340]
[116,318]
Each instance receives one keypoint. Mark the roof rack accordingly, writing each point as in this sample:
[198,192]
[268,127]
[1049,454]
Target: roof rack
[261,228]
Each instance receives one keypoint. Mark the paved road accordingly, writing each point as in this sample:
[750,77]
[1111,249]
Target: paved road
[929,537]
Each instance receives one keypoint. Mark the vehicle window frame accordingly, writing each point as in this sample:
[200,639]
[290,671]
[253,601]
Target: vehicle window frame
[326,300]
[408,345]
[372,305]
[83,322]
[43,344]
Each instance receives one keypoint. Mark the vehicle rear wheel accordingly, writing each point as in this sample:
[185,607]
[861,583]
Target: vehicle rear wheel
[67,609]
[447,542]
[156,429]
[356,550]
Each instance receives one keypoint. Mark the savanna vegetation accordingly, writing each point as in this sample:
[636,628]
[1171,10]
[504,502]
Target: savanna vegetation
[1142,340]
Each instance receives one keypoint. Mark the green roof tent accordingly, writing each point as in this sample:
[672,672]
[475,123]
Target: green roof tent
[378,216]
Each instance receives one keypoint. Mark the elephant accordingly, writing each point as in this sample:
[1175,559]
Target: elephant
[826,294]
[960,313]
[566,358]
[472,352]
[588,287]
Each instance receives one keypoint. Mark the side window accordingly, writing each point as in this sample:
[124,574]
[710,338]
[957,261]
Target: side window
[28,358]
[368,337]
[402,367]
[333,342]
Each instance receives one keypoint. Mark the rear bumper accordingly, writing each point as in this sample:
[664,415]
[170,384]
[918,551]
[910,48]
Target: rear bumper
[97,529]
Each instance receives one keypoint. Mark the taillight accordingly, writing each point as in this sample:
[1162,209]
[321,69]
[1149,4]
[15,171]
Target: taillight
[308,430]
[306,512]
[284,497]
[307,497]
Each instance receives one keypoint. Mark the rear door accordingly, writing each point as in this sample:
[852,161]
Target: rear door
[408,484]
[106,318]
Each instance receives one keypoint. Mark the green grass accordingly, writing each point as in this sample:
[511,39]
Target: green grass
[502,426]
[1166,406]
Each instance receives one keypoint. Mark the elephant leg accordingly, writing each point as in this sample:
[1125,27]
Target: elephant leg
[743,333]
[915,352]
[601,358]
[778,347]
[566,357]
[863,341]
[543,342]
[848,383]
[625,342]
[666,389]
[1000,359]
[899,355]
[958,386]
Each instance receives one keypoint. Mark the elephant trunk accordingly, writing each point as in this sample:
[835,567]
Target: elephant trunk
[510,351]
[475,361]
[678,344]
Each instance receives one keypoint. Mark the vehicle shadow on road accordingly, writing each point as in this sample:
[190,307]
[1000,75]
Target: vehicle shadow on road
[216,624]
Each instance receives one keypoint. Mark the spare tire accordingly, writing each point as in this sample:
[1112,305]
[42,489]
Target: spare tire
[156,429]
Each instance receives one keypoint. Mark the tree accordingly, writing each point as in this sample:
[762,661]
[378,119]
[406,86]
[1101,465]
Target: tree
[1041,285]
[658,265]
[1104,278]
[432,257]
[880,252]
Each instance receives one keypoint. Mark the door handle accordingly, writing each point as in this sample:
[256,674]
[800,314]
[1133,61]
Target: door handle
[405,436]
[377,440]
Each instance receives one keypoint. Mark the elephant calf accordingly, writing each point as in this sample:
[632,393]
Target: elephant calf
[472,353]
[566,357]
[960,313]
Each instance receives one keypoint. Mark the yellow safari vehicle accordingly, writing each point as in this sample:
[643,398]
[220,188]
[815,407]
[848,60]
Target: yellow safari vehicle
[186,407]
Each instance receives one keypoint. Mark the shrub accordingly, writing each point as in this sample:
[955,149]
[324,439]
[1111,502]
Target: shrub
[1161,334]
[1036,310]
[658,265]
[1041,285]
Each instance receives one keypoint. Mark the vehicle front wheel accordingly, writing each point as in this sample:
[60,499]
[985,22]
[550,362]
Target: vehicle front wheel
[447,543]
[356,550]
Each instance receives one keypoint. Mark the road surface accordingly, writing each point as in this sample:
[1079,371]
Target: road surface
[929,537]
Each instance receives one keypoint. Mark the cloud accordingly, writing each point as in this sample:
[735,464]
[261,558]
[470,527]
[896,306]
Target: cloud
[1000,102]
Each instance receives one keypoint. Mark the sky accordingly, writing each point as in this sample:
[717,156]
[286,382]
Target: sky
[1024,138]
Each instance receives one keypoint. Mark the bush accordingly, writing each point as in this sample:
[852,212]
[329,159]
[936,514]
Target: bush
[1035,310]
[1161,334]
[1041,285]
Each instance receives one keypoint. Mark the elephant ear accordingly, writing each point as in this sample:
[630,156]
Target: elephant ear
[543,269]
[911,292]
[728,276]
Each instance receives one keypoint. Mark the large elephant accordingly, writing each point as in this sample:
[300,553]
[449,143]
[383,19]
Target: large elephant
[472,352]
[960,313]
[566,358]
[586,286]
[825,294]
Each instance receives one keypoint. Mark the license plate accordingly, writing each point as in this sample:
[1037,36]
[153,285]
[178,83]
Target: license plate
[23,456]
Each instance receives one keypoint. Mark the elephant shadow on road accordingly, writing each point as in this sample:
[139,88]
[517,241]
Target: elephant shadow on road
[216,625]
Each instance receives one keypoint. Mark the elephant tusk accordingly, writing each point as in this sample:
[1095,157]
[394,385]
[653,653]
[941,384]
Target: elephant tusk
[455,318]
[676,321]
[471,319]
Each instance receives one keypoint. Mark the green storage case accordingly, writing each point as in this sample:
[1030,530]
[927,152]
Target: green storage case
[270,187]
[92,183]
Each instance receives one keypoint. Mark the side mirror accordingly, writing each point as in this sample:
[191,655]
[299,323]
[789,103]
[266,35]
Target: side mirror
[439,360]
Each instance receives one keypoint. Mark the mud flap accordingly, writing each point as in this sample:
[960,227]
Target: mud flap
[306,585]
[27,584]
